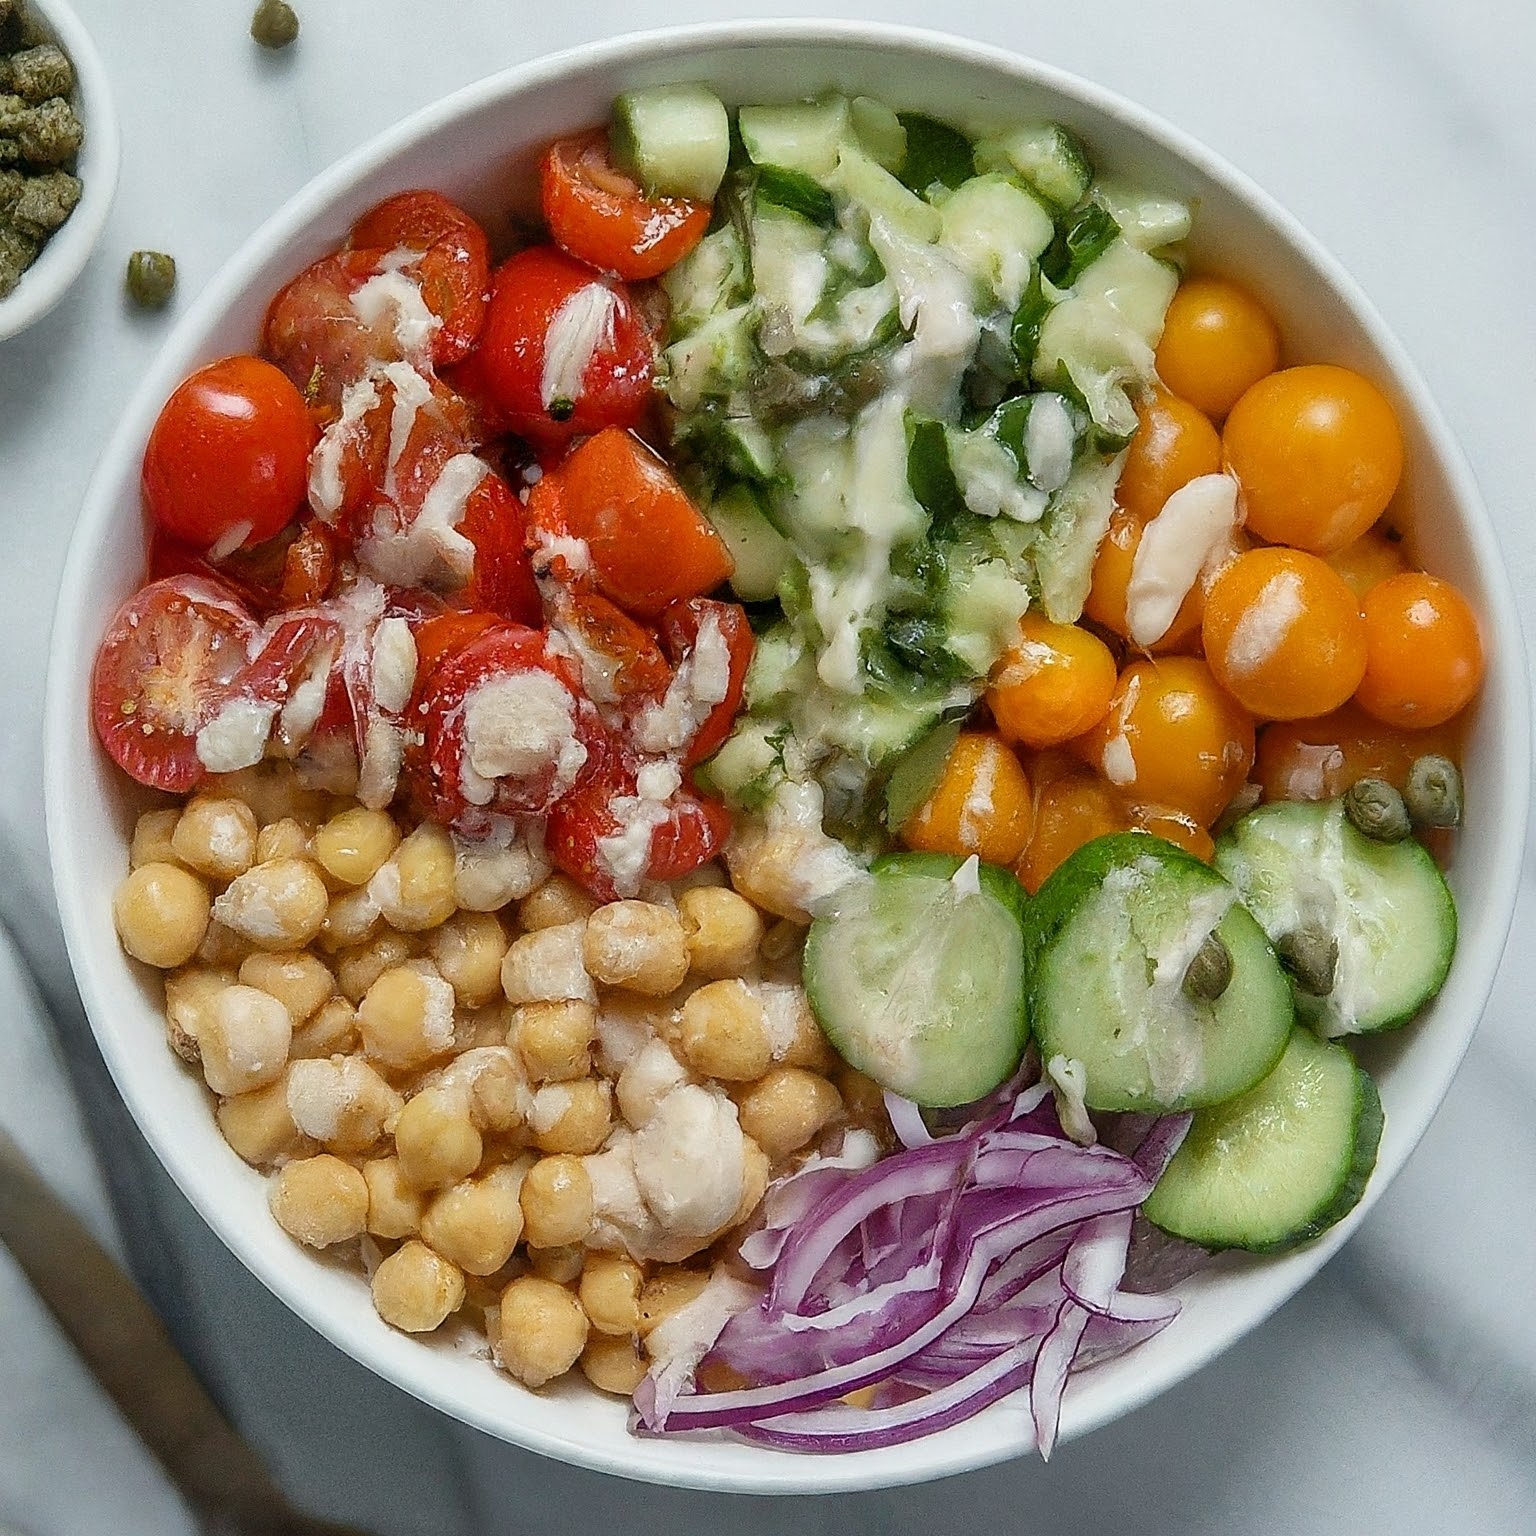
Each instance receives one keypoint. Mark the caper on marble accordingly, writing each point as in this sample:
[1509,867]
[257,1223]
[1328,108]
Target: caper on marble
[1433,791]
[1311,955]
[151,279]
[275,24]
[1376,810]
[1209,974]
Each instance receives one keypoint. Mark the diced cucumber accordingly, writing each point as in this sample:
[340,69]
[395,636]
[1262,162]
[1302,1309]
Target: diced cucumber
[712,362]
[918,979]
[863,179]
[1302,867]
[879,132]
[997,229]
[760,551]
[778,670]
[917,774]
[748,767]
[1039,432]
[674,139]
[1028,317]
[1081,240]
[1148,220]
[789,272]
[990,474]
[1138,286]
[797,192]
[1280,1163]
[1088,352]
[1049,157]
[1113,933]
[937,154]
[931,475]
[802,136]
[983,604]
[711,278]
[1071,532]
[872,726]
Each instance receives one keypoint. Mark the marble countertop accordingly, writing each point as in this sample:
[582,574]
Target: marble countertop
[1398,1390]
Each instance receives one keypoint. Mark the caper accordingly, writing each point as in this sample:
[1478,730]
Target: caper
[1433,791]
[1311,955]
[562,408]
[1209,974]
[275,24]
[151,279]
[1376,810]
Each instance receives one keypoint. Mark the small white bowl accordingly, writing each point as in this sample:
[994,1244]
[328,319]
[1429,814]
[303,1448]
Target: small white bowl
[63,258]
[480,146]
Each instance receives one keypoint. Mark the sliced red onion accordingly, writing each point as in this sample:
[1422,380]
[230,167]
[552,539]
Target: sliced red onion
[907,1121]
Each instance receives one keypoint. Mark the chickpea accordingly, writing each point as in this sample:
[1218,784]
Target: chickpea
[342,1102]
[243,1040]
[487,876]
[864,1100]
[259,1128]
[272,789]
[406,1017]
[394,1207]
[668,1291]
[351,919]
[468,950]
[723,930]
[278,905]
[572,1117]
[152,834]
[300,981]
[808,1046]
[557,1202]
[724,1033]
[636,945]
[555,1039]
[786,1108]
[541,1330]
[358,969]
[610,1292]
[353,846]
[548,967]
[320,1200]
[417,1290]
[216,837]
[562,1264]
[557,902]
[414,886]
[613,1365]
[222,947]
[187,996]
[332,1031]
[161,912]
[477,1222]
[285,839]
[435,1140]
[756,1173]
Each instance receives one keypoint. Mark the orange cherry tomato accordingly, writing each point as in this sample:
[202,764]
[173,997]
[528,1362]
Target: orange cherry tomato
[1173,738]
[600,216]
[1283,634]
[1174,827]
[1112,578]
[1174,444]
[981,804]
[1318,453]
[1371,558]
[1424,656]
[1217,341]
[1053,683]
[1070,809]
[1318,759]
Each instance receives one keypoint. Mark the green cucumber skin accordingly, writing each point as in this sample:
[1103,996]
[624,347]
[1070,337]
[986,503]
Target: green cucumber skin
[1356,1168]
[997,882]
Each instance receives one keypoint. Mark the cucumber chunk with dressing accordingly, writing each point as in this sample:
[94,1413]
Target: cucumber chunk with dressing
[1280,1163]
[1114,933]
[674,139]
[918,978]
[1383,910]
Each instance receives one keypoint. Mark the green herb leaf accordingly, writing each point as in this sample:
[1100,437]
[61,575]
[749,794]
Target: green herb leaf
[1079,243]
[935,153]
[797,192]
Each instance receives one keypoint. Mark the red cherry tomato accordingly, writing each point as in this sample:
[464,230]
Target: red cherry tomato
[454,267]
[228,452]
[621,663]
[163,669]
[293,570]
[443,635]
[600,215]
[485,417]
[502,581]
[564,350]
[505,730]
[715,673]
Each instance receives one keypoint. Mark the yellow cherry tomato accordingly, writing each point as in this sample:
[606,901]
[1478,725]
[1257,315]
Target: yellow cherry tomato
[1174,444]
[1217,341]
[1424,656]
[1369,559]
[982,804]
[1318,759]
[1112,578]
[1051,684]
[1071,809]
[1318,454]
[1284,634]
[1183,831]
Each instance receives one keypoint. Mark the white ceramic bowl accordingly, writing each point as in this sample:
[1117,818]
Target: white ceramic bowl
[479,146]
[64,256]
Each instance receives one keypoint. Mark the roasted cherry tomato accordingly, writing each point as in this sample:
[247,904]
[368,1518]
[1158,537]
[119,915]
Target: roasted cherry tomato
[502,582]
[600,215]
[228,457]
[164,667]
[649,545]
[711,646]
[453,269]
[444,634]
[564,350]
[293,570]
[621,663]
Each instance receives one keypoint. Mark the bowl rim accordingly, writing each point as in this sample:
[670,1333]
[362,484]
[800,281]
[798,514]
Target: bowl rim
[63,258]
[780,1473]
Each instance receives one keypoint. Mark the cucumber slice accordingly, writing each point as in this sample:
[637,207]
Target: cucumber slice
[879,131]
[917,774]
[675,140]
[936,153]
[1279,1164]
[1302,865]
[996,228]
[918,980]
[1112,934]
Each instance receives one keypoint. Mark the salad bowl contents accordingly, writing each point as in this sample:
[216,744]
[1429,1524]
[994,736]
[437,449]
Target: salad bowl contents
[794,790]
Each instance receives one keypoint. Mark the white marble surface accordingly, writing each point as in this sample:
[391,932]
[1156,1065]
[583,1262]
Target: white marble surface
[1398,1391]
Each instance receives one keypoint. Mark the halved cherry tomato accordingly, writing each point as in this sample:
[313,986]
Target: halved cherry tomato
[713,678]
[601,216]
[505,731]
[484,414]
[447,633]
[163,669]
[564,350]
[502,581]
[454,268]
[621,663]
[649,544]
[228,452]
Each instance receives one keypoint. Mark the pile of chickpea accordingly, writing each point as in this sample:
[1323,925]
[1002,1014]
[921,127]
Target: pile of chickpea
[424,1043]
